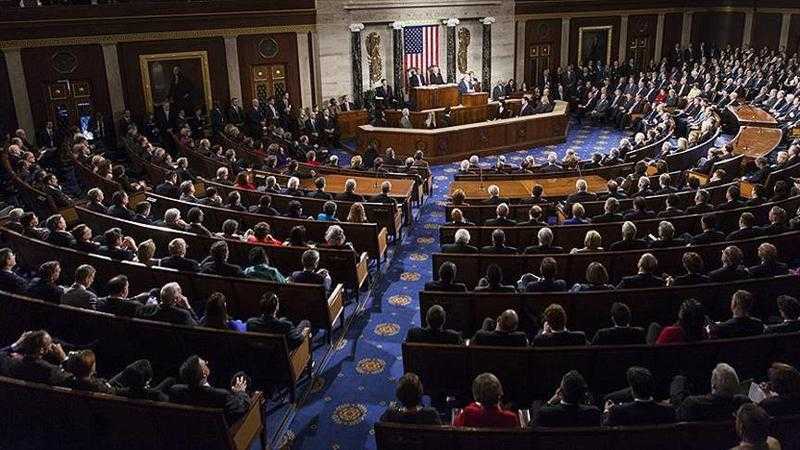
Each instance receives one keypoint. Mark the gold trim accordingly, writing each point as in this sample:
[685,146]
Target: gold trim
[644,12]
[156,36]
[144,68]
[609,44]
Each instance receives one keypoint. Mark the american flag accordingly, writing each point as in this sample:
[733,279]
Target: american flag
[421,47]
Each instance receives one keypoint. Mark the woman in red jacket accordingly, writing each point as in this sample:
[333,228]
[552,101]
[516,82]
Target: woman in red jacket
[691,325]
[485,411]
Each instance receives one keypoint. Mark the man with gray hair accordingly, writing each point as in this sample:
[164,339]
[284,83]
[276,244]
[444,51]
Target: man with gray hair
[384,197]
[629,241]
[545,246]
[172,219]
[349,194]
[310,274]
[173,307]
[723,400]
[494,196]
[502,219]
[79,294]
[581,194]
[461,244]
[611,212]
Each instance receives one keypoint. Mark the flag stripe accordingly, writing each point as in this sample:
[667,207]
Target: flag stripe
[421,48]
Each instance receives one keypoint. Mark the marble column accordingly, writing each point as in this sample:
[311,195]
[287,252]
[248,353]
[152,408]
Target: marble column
[234,75]
[564,42]
[19,90]
[659,38]
[114,82]
[358,81]
[623,38]
[686,30]
[306,77]
[786,20]
[451,49]
[521,52]
[397,58]
[747,36]
[486,66]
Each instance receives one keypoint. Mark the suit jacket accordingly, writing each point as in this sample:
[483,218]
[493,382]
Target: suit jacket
[235,404]
[560,339]
[633,244]
[499,250]
[768,270]
[44,290]
[690,279]
[303,276]
[221,268]
[11,282]
[500,222]
[709,407]
[349,197]
[546,285]
[607,218]
[619,336]
[274,325]
[180,263]
[119,306]
[449,287]
[167,190]
[500,339]
[738,327]
[640,413]
[428,335]
[731,273]
[168,314]
[38,371]
[77,295]
[458,248]
[640,280]
[789,326]
[568,415]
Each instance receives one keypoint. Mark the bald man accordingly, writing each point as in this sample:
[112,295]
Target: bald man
[501,332]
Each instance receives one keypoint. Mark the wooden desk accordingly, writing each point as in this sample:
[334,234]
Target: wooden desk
[459,115]
[755,142]
[553,187]
[475,98]
[434,96]
[753,116]
[484,138]
[349,121]
[364,185]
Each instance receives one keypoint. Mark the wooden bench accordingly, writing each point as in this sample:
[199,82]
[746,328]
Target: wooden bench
[590,311]
[531,373]
[679,436]
[299,301]
[118,341]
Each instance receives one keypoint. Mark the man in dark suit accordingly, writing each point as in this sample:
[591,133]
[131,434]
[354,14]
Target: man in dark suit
[525,109]
[723,400]
[554,331]
[777,222]
[499,246]
[770,266]
[747,228]
[217,262]
[434,332]
[117,302]
[384,197]
[47,136]
[502,219]
[435,75]
[349,194]
[38,355]
[502,332]
[646,277]
[197,391]
[789,308]
[644,410]
[494,196]
[80,294]
[447,275]
[235,113]
[217,119]
[255,119]
[581,194]
[732,268]
[415,79]
[169,187]
[461,244]
[269,322]
[610,214]
[177,257]
[693,265]
[310,274]
[45,285]
[629,241]
[173,307]
[9,280]
[710,234]
[166,116]
[622,333]
[741,324]
[548,281]
[569,407]
[384,95]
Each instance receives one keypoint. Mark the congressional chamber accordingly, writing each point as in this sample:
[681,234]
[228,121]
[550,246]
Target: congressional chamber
[392,225]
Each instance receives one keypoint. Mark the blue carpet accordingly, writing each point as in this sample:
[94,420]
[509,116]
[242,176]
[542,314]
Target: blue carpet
[353,388]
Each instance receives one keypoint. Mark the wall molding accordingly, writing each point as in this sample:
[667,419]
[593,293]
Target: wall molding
[356,5]
[653,11]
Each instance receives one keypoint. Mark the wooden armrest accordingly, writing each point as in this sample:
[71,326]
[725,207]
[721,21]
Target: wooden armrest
[335,304]
[382,242]
[246,429]
[299,358]
[362,269]
[700,176]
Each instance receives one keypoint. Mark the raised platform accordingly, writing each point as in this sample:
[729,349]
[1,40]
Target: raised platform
[483,138]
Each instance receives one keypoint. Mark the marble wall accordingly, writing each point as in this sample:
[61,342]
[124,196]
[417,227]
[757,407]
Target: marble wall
[335,16]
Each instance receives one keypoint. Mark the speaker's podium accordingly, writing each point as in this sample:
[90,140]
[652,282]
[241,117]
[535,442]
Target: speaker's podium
[434,96]
[475,98]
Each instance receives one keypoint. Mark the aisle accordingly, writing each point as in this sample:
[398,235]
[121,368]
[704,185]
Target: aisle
[359,380]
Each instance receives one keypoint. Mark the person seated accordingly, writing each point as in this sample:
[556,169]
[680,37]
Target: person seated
[447,275]
[501,332]
[780,191]
[142,213]
[578,216]
[672,209]
[269,322]
[665,185]
[535,218]
[646,277]
[733,199]
[643,188]
[693,264]
[187,191]
[217,262]
[759,196]
[581,194]
[666,237]
[310,274]
[459,197]
[494,196]
[216,315]
[244,180]
[264,207]
[168,187]
[622,333]
[789,309]
[57,231]
[262,235]
[502,219]
[30,227]
[172,219]
[82,365]
[701,203]
[747,228]
[45,285]
[710,235]
[723,400]
[457,219]
[493,281]
[434,332]
[644,410]
[177,257]
[485,411]
[777,222]
[769,266]
[548,282]
[554,332]
[611,212]
[196,390]
[629,241]
[596,279]
[499,246]
[690,327]
[173,307]
[752,427]
[732,269]
[35,357]
[741,324]
[570,406]
[552,164]
[592,243]
[410,410]
[545,245]
[384,197]
[259,267]
[335,239]
[10,281]
[79,294]
[234,202]
[96,197]
[460,244]
[782,390]
[349,194]
[640,211]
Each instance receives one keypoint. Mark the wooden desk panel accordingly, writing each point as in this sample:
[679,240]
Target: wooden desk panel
[484,138]
[475,99]
[553,187]
[755,142]
[349,121]
[459,115]
[364,185]
[431,97]
[753,116]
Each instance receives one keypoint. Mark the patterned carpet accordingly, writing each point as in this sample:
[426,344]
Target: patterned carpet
[353,387]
